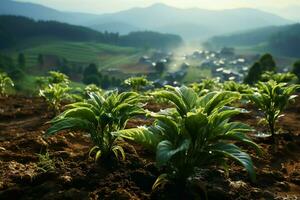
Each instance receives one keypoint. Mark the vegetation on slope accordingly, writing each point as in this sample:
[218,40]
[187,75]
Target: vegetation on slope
[281,40]
[16,29]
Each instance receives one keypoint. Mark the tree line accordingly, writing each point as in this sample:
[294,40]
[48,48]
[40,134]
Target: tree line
[286,42]
[16,29]
[267,64]
[279,40]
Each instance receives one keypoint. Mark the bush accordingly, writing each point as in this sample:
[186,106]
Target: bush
[5,84]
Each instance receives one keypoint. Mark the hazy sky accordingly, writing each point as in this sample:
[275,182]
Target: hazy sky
[103,6]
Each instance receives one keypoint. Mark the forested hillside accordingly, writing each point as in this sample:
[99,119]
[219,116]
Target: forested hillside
[15,30]
[150,39]
[286,41]
[279,40]
[245,38]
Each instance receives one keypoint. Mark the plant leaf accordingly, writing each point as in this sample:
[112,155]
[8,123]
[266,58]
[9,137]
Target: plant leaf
[141,135]
[69,123]
[166,150]
[235,153]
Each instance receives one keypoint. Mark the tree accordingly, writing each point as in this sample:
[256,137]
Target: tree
[91,79]
[254,73]
[40,59]
[296,69]
[21,60]
[267,63]
[105,82]
[90,70]
[64,67]
[91,75]
[160,67]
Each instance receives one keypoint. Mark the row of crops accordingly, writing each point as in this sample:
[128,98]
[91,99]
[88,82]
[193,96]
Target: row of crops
[196,131]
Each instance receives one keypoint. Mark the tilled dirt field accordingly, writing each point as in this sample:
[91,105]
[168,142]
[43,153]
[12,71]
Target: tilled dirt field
[73,175]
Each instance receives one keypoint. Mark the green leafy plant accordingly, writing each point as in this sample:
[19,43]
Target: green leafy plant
[272,98]
[137,83]
[99,116]
[5,84]
[54,95]
[279,77]
[206,85]
[92,88]
[196,133]
[58,78]
[236,87]
[243,89]
[54,89]
[45,163]
[53,78]
[41,82]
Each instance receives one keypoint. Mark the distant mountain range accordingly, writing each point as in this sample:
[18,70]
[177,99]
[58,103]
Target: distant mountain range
[40,12]
[192,23]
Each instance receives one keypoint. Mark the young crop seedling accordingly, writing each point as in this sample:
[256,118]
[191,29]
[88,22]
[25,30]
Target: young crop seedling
[206,85]
[58,78]
[55,89]
[53,78]
[137,83]
[41,82]
[99,116]
[92,88]
[237,87]
[196,133]
[272,98]
[5,84]
[241,88]
[46,164]
[54,95]
[279,77]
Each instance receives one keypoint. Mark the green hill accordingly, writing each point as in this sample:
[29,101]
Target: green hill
[15,30]
[278,40]
[81,53]
[58,43]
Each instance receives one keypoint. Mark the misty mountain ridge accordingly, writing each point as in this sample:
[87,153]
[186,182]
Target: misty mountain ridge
[41,12]
[192,23]
[279,40]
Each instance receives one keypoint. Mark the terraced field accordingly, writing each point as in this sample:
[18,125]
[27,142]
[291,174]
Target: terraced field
[106,56]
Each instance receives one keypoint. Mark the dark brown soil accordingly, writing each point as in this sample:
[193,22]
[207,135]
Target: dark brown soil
[76,176]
